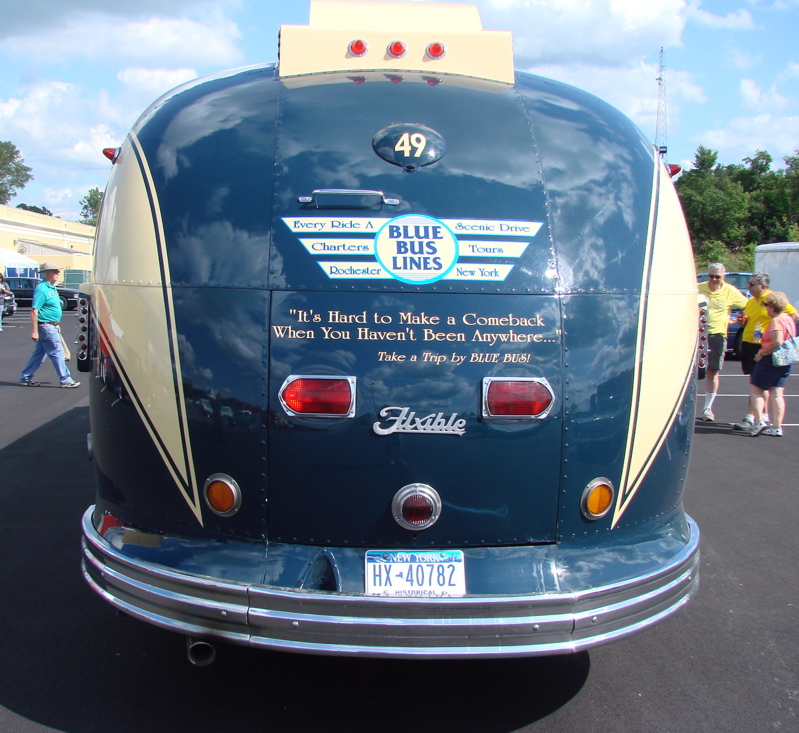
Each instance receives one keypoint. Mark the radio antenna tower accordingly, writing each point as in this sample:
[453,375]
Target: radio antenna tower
[661,134]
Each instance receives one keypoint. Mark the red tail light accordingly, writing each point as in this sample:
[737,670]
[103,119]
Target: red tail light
[319,396]
[516,397]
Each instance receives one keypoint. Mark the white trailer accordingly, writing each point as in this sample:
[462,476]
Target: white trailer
[781,262]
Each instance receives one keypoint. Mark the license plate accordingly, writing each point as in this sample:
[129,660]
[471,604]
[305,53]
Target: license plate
[416,574]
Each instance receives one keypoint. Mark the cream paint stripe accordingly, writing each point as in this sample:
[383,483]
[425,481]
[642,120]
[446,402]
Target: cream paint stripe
[663,372]
[179,480]
[639,349]
[653,454]
[172,330]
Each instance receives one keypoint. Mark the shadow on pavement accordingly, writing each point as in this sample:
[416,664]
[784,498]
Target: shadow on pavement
[68,661]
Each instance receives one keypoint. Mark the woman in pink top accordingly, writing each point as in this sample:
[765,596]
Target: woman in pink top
[765,376]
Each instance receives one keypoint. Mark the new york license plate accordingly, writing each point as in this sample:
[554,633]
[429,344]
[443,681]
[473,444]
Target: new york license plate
[412,573]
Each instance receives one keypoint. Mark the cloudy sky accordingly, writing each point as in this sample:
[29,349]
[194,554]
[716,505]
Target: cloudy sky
[77,73]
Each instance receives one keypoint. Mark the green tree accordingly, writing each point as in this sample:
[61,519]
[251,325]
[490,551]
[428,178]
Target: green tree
[14,174]
[768,198]
[35,209]
[716,207]
[90,206]
[791,177]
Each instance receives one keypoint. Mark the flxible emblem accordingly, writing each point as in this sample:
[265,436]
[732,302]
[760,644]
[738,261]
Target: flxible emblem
[403,420]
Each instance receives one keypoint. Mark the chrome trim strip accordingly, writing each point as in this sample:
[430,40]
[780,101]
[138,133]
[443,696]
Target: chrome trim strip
[334,623]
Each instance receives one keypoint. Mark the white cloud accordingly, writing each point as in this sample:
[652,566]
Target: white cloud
[32,17]
[158,42]
[634,91]
[154,82]
[60,134]
[755,99]
[740,19]
[742,136]
[741,59]
[606,32]
[791,71]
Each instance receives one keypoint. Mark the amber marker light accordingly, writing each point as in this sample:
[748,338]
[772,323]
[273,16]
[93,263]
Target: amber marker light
[597,498]
[222,494]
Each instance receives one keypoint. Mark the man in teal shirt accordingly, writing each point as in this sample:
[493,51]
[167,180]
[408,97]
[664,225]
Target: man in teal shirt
[46,330]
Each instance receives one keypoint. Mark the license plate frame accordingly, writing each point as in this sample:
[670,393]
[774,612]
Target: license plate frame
[415,573]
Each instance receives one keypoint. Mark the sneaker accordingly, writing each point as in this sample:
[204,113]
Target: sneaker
[707,414]
[745,425]
[29,383]
[773,432]
[70,385]
[758,429]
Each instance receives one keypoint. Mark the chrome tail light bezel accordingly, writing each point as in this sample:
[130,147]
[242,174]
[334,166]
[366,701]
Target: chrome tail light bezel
[294,377]
[488,381]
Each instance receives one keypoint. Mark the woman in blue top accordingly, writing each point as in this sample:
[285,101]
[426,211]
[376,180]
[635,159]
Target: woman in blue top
[46,330]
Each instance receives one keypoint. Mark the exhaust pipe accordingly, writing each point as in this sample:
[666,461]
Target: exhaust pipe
[201,653]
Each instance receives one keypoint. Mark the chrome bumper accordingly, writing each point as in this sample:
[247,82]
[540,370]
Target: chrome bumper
[351,624]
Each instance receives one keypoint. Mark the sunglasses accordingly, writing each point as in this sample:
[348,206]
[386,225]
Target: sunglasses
[714,277]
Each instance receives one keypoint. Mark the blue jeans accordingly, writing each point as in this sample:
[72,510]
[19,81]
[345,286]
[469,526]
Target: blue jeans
[49,344]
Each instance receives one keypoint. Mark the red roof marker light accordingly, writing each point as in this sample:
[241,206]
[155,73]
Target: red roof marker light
[436,50]
[397,49]
[358,47]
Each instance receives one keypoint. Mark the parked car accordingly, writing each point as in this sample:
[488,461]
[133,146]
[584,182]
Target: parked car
[738,280]
[9,304]
[23,288]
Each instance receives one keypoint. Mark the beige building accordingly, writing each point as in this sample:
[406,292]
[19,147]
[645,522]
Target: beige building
[46,239]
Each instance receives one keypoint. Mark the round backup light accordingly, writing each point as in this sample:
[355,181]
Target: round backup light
[436,50]
[597,498]
[397,49]
[416,506]
[358,47]
[222,495]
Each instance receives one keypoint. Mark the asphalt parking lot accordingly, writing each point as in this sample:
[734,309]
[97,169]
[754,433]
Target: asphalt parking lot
[729,661]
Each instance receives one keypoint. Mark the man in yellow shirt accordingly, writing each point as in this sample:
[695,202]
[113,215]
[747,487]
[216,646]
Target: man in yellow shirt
[757,319]
[721,298]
